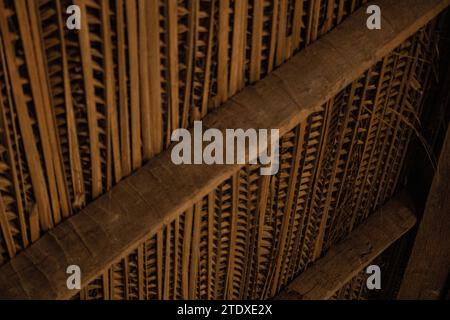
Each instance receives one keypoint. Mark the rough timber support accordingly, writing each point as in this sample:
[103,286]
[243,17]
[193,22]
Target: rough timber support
[429,264]
[139,205]
[344,261]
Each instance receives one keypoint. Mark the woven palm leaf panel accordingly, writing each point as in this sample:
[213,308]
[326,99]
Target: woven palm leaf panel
[82,109]
[253,234]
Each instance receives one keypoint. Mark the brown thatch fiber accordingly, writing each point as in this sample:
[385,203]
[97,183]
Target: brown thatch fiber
[250,236]
[83,109]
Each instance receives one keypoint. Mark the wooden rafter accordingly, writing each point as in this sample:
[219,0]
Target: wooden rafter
[129,231]
[345,260]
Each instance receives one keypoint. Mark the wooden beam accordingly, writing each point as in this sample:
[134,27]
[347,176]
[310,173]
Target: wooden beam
[347,259]
[428,268]
[140,205]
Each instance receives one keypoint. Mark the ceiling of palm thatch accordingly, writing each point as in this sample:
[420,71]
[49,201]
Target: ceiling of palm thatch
[87,115]
[82,109]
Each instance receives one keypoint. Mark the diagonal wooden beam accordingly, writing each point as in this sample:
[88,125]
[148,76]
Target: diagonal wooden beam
[344,261]
[138,206]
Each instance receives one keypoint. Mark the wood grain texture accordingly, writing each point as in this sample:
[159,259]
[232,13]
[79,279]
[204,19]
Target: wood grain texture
[93,105]
[345,260]
[137,240]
